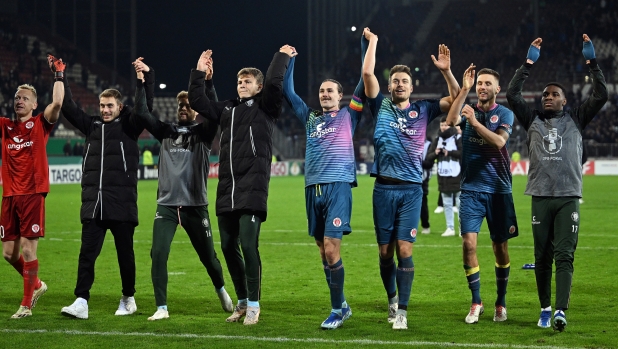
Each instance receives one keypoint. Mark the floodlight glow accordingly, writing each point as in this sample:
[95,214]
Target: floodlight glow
[353,28]
[162,86]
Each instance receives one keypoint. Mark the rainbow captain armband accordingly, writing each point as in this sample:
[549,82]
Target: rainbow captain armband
[356,104]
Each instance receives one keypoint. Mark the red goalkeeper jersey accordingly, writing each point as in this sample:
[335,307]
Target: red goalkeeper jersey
[24,156]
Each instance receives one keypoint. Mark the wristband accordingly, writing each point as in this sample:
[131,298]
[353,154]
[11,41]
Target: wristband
[533,53]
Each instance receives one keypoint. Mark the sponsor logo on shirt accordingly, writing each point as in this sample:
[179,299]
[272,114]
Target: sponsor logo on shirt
[506,126]
[479,141]
[401,125]
[321,131]
[20,145]
[575,216]
[29,124]
[36,228]
[493,119]
[337,222]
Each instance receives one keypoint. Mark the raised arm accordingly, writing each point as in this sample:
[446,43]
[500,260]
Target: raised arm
[146,74]
[372,87]
[443,63]
[454,118]
[211,93]
[198,99]
[272,93]
[518,104]
[70,111]
[142,113]
[599,95]
[300,109]
[52,111]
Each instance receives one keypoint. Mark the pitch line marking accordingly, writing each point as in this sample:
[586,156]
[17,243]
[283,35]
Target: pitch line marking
[286,339]
[345,244]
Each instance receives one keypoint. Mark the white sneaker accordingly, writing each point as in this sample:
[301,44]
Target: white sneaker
[392,312]
[438,209]
[79,309]
[159,315]
[127,306]
[22,312]
[425,231]
[500,314]
[239,312]
[38,293]
[449,232]
[401,322]
[476,310]
[226,301]
[253,315]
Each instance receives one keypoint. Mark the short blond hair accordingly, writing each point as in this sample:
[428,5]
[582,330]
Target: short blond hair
[182,95]
[255,72]
[110,92]
[29,88]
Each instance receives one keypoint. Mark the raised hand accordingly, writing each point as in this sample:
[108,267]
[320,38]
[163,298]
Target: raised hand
[468,113]
[444,58]
[202,63]
[140,66]
[468,77]
[57,66]
[534,51]
[588,49]
[210,70]
[369,35]
[289,50]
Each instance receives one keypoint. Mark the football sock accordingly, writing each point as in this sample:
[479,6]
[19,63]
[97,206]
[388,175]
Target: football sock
[243,302]
[19,265]
[221,289]
[546,309]
[254,304]
[474,282]
[405,277]
[502,280]
[337,275]
[326,272]
[31,270]
[164,307]
[388,272]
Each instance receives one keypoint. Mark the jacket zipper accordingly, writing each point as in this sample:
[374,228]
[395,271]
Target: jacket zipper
[85,158]
[252,143]
[100,196]
[231,167]
[124,161]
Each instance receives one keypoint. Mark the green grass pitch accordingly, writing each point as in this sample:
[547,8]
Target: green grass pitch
[295,296]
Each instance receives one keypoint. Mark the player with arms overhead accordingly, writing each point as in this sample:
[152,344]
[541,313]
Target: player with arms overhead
[555,176]
[486,183]
[399,139]
[25,174]
[330,174]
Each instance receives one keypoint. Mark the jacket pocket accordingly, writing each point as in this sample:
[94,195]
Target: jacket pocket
[85,158]
[124,160]
[252,142]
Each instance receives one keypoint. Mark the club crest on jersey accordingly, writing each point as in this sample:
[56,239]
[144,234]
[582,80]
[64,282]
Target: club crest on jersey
[413,114]
[205,222]
[512,229]
[337,222]
[35,228]
[493,119]
[413,233]
[29,124]
[575,216]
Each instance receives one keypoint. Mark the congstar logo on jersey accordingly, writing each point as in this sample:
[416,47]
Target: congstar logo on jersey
[401,125]
[18,145]
[479,141]
[321,131]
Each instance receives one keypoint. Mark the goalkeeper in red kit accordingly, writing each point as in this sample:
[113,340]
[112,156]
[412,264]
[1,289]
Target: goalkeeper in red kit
[26,183]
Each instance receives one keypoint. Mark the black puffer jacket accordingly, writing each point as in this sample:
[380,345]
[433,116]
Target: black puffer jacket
[246,139]
[111,159]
